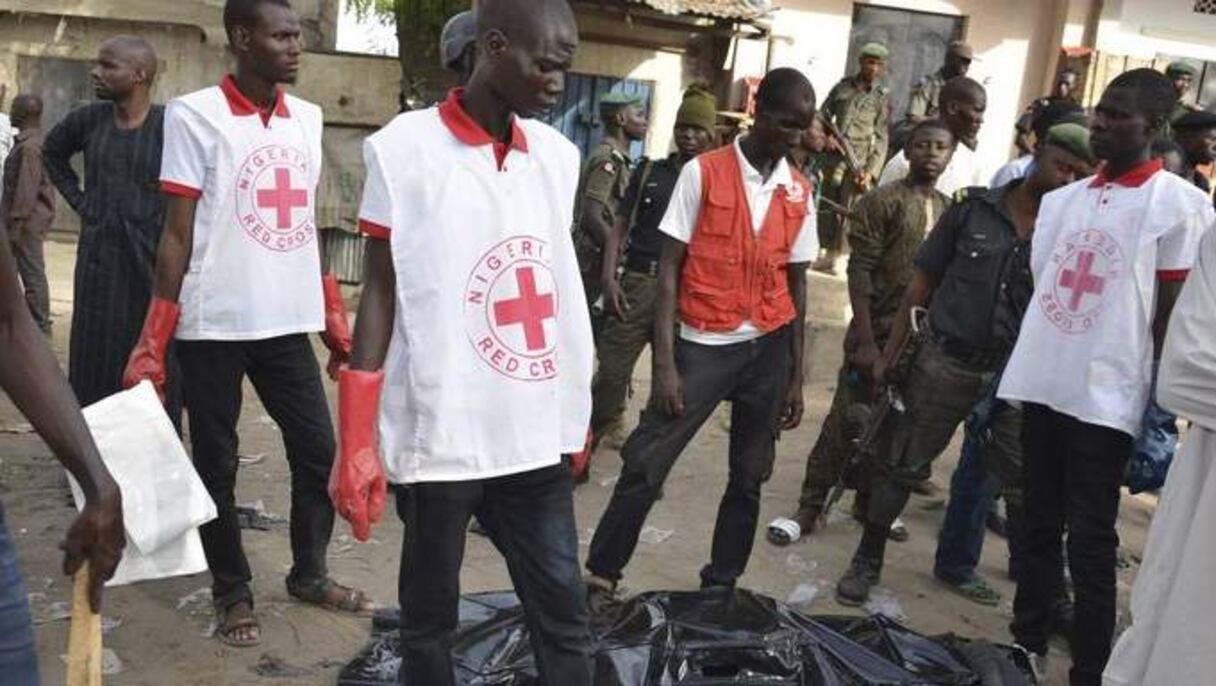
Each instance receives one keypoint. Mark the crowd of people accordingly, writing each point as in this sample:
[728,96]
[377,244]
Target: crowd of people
[510,289]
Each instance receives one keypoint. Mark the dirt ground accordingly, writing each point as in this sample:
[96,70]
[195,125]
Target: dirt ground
[160,631]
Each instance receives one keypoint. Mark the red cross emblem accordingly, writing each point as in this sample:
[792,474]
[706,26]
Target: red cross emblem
[530,309]
[283,198]
[272,198]
[1082,280]
[1086,264]
[511,309]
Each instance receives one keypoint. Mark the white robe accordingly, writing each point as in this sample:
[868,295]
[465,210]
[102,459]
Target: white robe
[1172,641]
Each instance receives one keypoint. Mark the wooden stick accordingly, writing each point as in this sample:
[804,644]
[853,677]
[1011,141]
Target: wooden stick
[84,635]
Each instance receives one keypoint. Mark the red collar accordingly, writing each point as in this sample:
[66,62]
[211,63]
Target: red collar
[1135,177]
[241,106]
[470,132]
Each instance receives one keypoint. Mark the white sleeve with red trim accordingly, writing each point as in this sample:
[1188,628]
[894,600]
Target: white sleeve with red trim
[1178,247]
[376,210]
[685,207]
[187,151]
[806,246]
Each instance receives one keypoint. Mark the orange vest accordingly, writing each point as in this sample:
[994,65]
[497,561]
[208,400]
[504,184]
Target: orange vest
[732,274]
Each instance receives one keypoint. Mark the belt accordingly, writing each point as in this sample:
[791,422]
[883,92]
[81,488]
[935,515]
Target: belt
[642,266]
[968,355]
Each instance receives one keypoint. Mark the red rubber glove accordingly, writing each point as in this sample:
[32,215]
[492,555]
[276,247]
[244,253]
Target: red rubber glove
[356,484]
[337,330]
[147,360]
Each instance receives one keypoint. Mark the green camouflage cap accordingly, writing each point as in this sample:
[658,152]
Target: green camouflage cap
[1181,67]
[874,50]
[1071,137]
[617,99]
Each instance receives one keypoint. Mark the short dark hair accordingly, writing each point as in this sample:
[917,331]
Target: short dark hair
[929,125]
[1155,94]
[782,84]
[245,12]
[961,89]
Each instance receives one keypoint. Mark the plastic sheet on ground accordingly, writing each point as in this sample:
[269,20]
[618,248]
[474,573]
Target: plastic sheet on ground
[708,637]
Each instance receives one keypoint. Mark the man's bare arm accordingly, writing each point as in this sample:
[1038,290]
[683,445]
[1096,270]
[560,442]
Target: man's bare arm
[791,414]
[176,246]
[31,376]
[668,393]
[1167,297]
[374,325]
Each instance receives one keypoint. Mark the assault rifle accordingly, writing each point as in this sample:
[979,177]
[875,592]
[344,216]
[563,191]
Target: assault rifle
[890,401]
[850,156]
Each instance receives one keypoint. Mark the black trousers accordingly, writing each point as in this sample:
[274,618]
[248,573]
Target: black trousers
[1071,479]
[754,376]
[285,374]
[530,518]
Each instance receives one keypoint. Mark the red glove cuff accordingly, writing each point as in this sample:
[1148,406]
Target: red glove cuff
[147,360]
[337,329]
[359,406]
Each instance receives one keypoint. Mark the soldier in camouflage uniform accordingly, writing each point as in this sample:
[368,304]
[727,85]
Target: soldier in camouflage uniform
[604,180]
[923,102]
[859,109]
[888,227]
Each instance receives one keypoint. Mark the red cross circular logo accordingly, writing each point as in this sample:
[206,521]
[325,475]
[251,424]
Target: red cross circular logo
[1085,265]
[511,306]
[272,198]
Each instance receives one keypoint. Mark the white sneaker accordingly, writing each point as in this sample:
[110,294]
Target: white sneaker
[1038,664]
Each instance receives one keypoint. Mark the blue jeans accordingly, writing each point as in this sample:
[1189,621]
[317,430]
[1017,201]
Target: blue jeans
[972,491]
[18,654]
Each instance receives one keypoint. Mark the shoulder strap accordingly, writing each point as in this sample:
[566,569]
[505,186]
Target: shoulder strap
[647,165]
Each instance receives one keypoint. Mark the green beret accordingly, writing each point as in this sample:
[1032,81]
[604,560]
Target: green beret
[1072,137]
[699,109]
[1182,68]
[617,99]
[874,50]
[1199,119]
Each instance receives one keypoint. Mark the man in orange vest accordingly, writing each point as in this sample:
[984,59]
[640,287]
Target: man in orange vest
[738,236]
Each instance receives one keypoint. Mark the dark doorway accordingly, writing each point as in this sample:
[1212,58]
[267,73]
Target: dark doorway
[62,83]
[577,114]
[917,41]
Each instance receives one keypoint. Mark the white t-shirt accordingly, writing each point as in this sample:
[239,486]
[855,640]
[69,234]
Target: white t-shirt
[255,270]
[962,172]
[1100,246]
[489,368]
[1016,169]
[684,210]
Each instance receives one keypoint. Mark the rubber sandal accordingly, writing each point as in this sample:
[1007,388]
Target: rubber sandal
[783,531]
[975,589]
[227,627]
[322,594]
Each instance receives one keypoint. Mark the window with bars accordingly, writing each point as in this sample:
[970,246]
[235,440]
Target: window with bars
[1205,6]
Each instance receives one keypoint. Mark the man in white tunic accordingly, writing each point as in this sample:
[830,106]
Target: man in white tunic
[473,323]
[1174,599]
[1109,257]
[963,102]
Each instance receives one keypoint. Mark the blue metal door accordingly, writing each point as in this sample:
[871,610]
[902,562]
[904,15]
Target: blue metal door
[577,114]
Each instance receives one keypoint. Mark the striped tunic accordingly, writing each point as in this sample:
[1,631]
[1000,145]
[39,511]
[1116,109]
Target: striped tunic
[122,213]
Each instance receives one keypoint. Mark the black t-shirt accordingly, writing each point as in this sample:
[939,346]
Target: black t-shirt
[983,273]
[650,199]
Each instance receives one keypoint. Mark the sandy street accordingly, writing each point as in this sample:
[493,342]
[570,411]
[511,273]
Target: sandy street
[159,630]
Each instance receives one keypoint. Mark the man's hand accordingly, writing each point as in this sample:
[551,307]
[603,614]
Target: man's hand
[864,181]
[97,536]
[615,302]
[357,483]
[863,357]
[791,411]
[337,330]
[668,391]
[147,360]
[881,366]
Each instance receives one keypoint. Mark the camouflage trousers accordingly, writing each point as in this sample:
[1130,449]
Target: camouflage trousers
[621,342]
[838,186]
[830,456]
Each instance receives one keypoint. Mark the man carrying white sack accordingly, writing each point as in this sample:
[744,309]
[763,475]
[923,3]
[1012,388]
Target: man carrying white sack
[1174,598]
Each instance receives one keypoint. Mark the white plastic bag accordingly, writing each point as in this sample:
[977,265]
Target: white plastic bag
[163,500]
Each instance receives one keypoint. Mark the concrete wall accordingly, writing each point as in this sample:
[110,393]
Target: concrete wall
[1152,28]
[1016,45]
[320,17]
